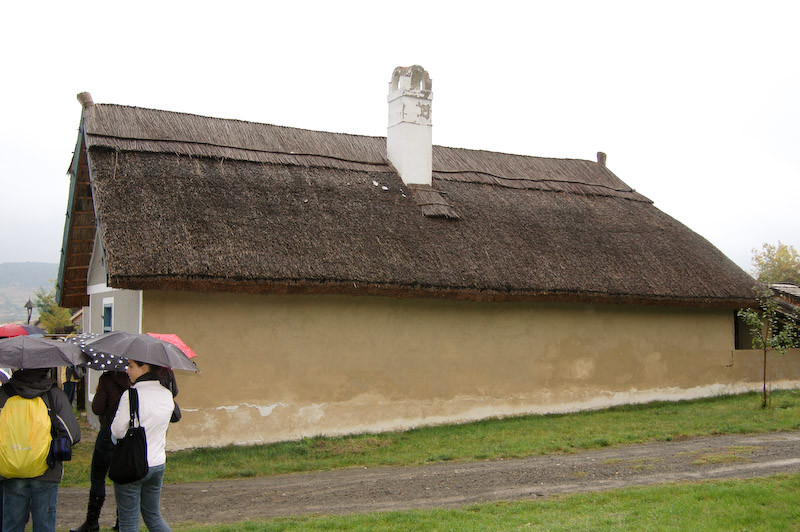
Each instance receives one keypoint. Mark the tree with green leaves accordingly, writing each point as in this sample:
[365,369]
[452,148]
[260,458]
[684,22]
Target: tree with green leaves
[771,330]
[777,264]
[51,317]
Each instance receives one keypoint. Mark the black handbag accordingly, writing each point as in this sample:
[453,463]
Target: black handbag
[129,458]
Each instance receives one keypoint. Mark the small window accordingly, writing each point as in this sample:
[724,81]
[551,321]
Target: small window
[743,338]
[108,315]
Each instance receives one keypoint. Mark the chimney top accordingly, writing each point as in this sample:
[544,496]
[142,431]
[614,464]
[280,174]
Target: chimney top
[413,79]
[601,158]
[86,99]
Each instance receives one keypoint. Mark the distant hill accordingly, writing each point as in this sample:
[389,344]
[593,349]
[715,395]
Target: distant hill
[18,282]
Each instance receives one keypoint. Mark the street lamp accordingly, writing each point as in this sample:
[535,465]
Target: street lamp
[29,308]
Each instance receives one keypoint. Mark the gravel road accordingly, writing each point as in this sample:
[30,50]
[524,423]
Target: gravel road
[451,484]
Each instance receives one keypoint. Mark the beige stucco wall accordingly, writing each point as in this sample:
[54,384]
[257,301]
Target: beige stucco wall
[285,367]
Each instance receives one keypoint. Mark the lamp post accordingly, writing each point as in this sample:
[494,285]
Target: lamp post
[29,308]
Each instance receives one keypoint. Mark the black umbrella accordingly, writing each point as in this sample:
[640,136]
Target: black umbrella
[26,352]
[98,359]
[141,347]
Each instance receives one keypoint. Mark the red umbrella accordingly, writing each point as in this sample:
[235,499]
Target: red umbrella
[176,341]
[9,330]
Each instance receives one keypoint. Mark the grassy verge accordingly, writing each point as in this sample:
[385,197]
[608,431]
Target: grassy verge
[485,440]
[766,504]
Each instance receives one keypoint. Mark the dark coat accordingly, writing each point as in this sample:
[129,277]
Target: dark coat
[109,389]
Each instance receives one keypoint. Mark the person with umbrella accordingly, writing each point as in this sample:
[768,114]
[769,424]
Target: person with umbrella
[39,495]
[110,387]
[36,496]
[146,356]
[34,357]
[155,410]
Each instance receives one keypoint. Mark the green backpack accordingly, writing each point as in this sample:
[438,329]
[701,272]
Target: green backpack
[24,437]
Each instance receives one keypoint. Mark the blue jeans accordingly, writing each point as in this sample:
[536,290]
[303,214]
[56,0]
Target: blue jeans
[144,496]
[69,389]
[24,495]
[101,460]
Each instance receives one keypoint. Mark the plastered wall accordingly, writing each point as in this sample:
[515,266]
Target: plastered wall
[285,367]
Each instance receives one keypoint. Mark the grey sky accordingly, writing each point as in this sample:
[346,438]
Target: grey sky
[697,104]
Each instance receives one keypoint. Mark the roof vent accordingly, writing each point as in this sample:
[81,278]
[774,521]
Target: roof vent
[432,202]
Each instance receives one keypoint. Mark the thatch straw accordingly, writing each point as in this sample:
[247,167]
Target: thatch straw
[195,203]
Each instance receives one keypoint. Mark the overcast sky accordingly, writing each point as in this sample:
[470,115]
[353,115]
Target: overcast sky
[697,104]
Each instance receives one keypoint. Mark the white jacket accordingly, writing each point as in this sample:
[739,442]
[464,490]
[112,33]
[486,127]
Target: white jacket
[155,410]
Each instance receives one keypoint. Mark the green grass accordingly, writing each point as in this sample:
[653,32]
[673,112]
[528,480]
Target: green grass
[486,440]
[766,504]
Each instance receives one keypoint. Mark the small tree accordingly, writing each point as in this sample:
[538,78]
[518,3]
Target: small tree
[777,264]
[771,330]
[51,316]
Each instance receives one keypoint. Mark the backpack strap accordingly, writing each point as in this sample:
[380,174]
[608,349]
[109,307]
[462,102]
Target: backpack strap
[57,425]
[51,404]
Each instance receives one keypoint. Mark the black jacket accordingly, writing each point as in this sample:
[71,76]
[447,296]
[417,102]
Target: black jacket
[109,389]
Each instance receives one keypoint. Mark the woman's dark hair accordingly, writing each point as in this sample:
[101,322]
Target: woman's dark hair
[154,368]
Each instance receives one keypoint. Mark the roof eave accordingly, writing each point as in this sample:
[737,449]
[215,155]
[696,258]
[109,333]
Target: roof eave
[73,179]
[74,264]
[359,288]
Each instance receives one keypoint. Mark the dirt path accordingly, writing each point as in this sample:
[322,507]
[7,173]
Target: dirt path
[453,484]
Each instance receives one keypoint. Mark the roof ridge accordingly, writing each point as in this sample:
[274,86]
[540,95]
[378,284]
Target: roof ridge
[239,120]
[338,133]
[233,147]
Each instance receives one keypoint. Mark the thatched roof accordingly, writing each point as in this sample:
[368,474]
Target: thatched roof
[188,202]
[788,297]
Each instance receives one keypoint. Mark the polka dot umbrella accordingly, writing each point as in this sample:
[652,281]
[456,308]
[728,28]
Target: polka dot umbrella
[99,359]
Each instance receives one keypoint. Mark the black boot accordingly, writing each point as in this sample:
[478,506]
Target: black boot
[92,514]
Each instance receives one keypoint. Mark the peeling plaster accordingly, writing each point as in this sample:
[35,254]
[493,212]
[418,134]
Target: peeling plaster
[265,410]
[373,414]
[424,110]
[312,414]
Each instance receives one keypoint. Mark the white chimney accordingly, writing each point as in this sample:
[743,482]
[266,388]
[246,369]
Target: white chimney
[409,144]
